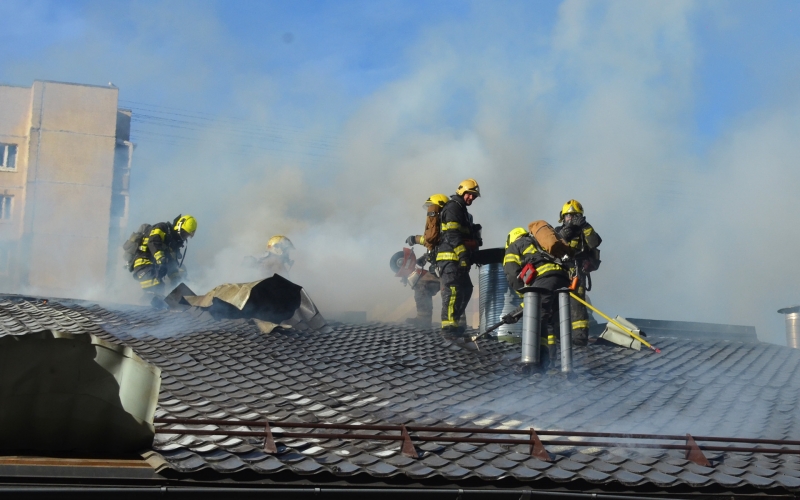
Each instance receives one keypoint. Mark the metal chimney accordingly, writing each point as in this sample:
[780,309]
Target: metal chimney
[497,299]
[792,315]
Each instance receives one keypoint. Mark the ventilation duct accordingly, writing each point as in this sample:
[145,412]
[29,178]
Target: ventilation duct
[792,315]
[496,300]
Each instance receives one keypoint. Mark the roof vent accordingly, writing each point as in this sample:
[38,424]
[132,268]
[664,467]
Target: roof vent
[792,315]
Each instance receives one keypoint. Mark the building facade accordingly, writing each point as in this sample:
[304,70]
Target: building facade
[65,156]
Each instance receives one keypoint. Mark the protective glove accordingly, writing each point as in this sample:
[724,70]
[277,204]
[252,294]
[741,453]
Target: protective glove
[411,240]
[578,220]
[161,271]
[567,232]
[512,317]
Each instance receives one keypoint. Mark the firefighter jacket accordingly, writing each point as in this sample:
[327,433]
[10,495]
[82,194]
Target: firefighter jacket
[457,233]
[523,251]
[160,246]
[584,240]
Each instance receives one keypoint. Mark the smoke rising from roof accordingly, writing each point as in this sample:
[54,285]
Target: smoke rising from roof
[599,108]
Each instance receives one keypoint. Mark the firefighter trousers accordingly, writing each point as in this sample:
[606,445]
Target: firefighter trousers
[456,292]
[424,290]
[150,278]
[549,310]
[580,318]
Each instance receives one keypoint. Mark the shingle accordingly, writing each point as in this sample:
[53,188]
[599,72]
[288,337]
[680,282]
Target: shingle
[383,373]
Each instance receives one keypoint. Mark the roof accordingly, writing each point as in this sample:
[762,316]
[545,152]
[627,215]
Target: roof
[385,373]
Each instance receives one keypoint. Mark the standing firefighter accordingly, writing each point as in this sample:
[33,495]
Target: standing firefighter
[459,238]
[154,253]
[425,283]
[527,255]
[584,241]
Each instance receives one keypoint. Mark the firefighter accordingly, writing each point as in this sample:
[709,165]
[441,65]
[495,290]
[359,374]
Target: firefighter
[277,259]
[159,256]
[425,283]
[459,238]
[584,240]
[522,249]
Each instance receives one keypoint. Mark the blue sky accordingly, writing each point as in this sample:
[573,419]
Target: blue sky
[745,49]
[675,123]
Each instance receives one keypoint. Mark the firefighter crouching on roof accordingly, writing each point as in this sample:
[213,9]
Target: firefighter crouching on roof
[584,240]
[459,238]
[159,255]
[425,283]
[522,249]
[277,259]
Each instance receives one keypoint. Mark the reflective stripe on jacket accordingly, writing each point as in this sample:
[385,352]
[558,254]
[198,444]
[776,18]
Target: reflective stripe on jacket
[523,251]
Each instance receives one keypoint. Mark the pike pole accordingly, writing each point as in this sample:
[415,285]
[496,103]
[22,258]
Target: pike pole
[615,323]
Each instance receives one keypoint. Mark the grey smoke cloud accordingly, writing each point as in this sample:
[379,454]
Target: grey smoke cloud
[598,109]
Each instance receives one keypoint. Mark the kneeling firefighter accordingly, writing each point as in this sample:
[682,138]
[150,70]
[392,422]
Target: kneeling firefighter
[527,263]
[277,258]
[425,283]
[583,240]
[459,239]
[154,253]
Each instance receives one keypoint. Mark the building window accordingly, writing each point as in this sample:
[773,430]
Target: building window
[8,156]
[6,203]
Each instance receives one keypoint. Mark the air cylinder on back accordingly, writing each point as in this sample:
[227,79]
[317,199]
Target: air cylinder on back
[496,300]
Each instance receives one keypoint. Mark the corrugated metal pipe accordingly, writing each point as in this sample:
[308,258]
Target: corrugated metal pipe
[496,299]
[792,315]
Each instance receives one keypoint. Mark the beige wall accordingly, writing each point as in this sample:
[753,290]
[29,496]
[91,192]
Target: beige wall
[67,136]
[15,116]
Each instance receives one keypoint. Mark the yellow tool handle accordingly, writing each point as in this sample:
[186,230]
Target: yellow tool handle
[615,322]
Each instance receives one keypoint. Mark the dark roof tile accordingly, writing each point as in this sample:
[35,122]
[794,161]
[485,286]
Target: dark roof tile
[693,480]
[559,475]
[344,468]
[594,476]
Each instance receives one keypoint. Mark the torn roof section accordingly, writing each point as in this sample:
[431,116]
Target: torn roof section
[269,302]
[74,392]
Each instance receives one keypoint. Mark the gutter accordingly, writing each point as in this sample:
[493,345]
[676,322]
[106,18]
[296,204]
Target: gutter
[227,492]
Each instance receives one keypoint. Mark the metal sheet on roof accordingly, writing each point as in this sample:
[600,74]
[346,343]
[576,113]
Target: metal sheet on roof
[60,391]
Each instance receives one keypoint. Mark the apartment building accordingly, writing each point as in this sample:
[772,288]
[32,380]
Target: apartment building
[65,159]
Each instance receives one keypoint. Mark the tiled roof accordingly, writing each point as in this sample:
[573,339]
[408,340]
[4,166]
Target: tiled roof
[382,373]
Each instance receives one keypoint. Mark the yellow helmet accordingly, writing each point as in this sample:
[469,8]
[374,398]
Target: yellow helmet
[186,225]
[438,199]
[515,234]
[570,207]
[279,244]
[469,186]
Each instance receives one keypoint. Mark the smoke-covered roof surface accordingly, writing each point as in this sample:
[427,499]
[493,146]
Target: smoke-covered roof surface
[383,373]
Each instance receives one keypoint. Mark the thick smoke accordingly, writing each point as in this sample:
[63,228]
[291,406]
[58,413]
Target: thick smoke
[599,108]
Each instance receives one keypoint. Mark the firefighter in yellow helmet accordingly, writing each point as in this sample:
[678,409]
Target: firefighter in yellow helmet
[522,249]
[585,241]
[277,258]
[159,254]
[459,238]
[425,283]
